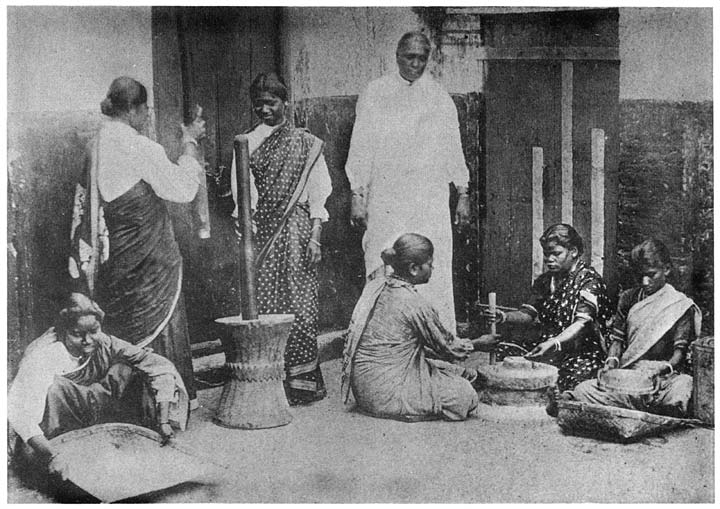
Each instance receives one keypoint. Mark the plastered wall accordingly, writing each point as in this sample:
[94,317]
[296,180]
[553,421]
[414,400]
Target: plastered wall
[64,58]
[61,61]
[337,51]
[666,54]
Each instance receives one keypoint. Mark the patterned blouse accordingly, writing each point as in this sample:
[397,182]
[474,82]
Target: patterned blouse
[558,302]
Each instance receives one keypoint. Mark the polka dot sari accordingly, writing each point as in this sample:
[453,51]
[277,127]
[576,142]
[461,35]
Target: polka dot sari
[286,283]
[557,303]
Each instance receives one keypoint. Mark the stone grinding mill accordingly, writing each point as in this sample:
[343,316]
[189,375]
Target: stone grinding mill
[515,381]
[254,396]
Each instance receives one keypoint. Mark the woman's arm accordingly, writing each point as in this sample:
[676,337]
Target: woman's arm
[435,335]
[174,182]
[555,344]
[160,371]
[318,188]
[683,335]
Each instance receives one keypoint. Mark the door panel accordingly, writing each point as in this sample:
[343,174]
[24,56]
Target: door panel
[209,56]
[522,111]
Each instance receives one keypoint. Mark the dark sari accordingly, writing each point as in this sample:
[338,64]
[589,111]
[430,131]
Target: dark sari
[140,284]
[286,282]
[138,280]
[557,302]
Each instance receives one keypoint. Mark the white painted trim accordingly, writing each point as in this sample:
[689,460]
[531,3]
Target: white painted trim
[538,207]
[566,126]
[597,199]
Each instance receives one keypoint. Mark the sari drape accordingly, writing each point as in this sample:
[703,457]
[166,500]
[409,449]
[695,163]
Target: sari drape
[133,267]
[398,357]
[286,283]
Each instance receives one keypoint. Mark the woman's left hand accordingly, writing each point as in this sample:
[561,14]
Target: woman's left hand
[166,433]
[541,350]
[313,253]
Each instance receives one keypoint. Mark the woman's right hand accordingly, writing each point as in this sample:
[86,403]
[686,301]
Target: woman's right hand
[486,342]
[358,209]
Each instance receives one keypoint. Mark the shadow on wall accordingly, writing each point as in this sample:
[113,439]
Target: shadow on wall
[45,159]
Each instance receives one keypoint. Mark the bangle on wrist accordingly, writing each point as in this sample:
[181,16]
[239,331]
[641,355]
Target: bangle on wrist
[672,370]
[501,316]
[558,345]
[316,227]
[612,358]
[190,140]
[316,242]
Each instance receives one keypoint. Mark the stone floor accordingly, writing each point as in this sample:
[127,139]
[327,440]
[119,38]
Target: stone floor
[332,454]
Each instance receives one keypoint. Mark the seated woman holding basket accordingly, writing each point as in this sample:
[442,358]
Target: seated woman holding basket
[75,376]
[652,329]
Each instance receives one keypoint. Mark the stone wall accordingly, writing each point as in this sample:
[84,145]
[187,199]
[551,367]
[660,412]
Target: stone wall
[666,191]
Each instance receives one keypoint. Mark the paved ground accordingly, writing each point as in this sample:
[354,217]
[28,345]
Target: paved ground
[331,454]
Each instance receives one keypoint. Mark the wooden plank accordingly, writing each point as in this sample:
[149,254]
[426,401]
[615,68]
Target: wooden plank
[567,142]
[537,211]
[579,29]
[461,38]
[597,203]
[206,348]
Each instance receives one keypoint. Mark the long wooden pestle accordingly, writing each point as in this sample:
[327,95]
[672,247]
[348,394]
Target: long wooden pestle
[246,267]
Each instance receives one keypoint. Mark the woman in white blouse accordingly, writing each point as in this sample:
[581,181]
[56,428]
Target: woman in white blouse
[283,160]
[139,274]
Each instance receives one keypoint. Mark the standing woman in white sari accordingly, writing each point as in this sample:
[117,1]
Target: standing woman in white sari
[137,278]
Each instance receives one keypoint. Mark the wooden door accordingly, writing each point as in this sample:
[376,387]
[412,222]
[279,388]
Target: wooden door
[551,156]
[522,103]
[209,56]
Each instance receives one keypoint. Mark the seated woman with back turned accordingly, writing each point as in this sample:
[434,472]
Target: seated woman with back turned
[393,330]
[652,329]
[74,376]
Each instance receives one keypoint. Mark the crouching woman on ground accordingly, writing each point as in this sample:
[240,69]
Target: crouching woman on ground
[398,357]
[75,376]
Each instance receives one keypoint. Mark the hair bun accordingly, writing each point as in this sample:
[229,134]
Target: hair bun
[388,256]
[106,107]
